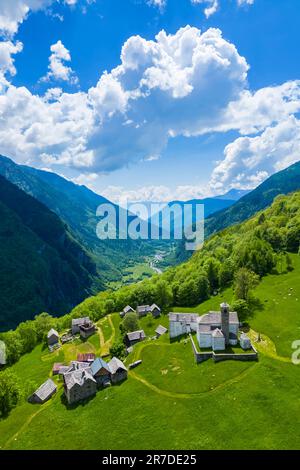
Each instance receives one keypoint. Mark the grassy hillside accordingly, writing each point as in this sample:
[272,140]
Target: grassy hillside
[169,401]
[41,266]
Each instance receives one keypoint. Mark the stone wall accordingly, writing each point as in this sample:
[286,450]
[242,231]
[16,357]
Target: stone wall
[204,356]
[200,356]
[251,356]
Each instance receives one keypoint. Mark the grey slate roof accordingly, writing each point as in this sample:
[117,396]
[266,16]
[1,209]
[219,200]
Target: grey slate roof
[115,364]
[143,308]
[63,370]
[45,390]
[76,365]
[153,307]
[217,333]
[161,330]
[78,377]
[128,309]
[183,317]
[52,332]
[214,318]
[98,364]
[205,328]
[80,321]
[135,335]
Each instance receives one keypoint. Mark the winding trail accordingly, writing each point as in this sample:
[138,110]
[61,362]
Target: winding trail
[105,345]
[113,331]
[101,337]
[169,394]
[265,347]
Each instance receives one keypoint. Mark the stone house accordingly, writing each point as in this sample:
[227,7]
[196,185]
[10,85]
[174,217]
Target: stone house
[142,310]
[44,392]
[182,323]
[245,341]
[118,370]
[160,330]
[127,309]
[87,329]
[101,372]
[52,337]
[77,322]
[79,385]
[86,357]
[76,365]
[134,337]
[155,310]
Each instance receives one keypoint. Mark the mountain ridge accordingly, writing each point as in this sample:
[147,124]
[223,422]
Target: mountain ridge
[76,206]
[283,182]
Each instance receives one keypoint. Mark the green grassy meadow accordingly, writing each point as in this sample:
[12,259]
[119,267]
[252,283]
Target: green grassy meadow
[135,273]
[169,402]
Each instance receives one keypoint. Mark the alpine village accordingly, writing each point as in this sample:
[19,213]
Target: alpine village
[149,230]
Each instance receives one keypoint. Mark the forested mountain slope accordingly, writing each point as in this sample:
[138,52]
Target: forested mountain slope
[41,266]
[76,205]
[283,182]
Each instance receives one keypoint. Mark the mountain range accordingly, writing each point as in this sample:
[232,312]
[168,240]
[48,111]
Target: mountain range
[76,206]
[50,255]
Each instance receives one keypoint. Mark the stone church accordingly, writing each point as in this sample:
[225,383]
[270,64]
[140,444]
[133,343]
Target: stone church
[217,330]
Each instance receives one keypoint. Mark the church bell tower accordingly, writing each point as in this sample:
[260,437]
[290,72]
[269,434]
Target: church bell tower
[225,321]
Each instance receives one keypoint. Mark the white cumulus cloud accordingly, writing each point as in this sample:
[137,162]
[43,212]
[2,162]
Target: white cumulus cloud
[250,160]
[58,70]
[212,6]
[14,12]
[7,50]
[183,84]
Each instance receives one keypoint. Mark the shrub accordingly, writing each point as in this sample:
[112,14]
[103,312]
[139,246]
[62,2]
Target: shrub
[10,392]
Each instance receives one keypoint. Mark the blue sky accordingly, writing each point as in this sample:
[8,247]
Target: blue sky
[161,128]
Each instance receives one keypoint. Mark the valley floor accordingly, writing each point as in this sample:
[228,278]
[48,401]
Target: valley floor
[169,402]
